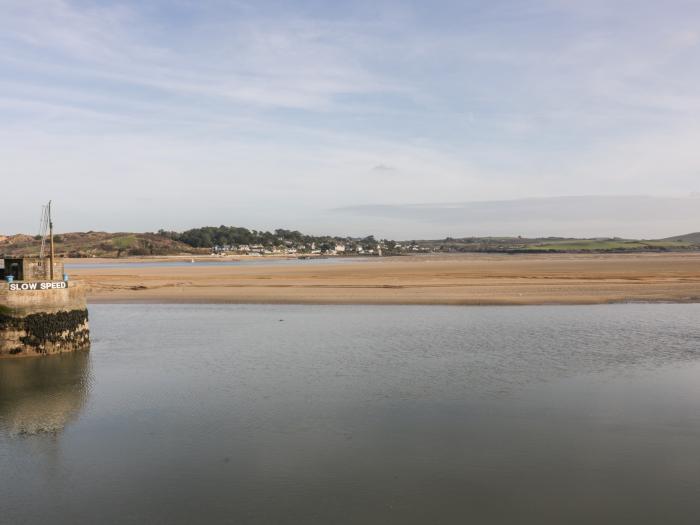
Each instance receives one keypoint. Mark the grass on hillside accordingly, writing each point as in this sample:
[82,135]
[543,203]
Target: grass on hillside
[97,244]
[608,245]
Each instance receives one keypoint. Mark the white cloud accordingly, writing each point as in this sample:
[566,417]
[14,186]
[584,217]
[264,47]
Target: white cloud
[280,113]
[289,63]
[586,216]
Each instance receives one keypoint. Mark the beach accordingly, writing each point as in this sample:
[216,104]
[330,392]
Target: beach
[460,279]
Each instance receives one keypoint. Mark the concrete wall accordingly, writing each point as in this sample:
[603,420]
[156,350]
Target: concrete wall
[42,322]
[32,301]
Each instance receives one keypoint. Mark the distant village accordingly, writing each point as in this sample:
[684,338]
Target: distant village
[229,240]
[344,248]
[349,247]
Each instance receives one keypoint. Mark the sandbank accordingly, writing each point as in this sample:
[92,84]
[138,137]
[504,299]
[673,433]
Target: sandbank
[469,279]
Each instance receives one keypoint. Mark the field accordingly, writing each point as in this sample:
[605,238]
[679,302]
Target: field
[560,245]
[594,245]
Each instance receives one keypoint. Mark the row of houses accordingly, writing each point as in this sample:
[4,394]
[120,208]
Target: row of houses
[337,248]
[259,249]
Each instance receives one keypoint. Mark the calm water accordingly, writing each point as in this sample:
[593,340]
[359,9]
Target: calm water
[346,414]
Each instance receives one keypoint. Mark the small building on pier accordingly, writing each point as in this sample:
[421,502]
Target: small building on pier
[31,269]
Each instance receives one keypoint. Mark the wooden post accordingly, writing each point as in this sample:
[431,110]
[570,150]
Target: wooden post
[51,242]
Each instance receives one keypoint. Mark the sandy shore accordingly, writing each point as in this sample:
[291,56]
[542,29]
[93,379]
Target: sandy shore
[458,279]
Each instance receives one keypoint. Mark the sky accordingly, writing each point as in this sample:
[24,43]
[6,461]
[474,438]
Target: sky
[400,118]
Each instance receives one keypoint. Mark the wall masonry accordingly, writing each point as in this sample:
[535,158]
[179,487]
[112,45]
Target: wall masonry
[43,321]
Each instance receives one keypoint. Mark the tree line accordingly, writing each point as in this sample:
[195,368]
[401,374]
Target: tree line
[210,236]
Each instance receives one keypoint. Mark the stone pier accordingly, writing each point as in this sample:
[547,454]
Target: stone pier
[42,320]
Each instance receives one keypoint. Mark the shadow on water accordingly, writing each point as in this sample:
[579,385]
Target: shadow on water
[43,395]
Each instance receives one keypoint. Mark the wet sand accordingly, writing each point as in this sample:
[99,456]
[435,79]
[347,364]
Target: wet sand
[444,279]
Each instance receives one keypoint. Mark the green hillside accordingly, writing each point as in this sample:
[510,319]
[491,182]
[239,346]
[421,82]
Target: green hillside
[610,245]
[693,238]
[97,244]
[202,240]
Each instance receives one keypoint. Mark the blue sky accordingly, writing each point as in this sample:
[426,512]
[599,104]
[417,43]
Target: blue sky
[142,115]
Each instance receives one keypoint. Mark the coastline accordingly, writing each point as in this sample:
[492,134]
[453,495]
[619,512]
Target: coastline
[460,279]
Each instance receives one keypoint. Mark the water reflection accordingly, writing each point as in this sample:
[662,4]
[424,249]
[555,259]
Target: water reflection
[42,395]
[406,415]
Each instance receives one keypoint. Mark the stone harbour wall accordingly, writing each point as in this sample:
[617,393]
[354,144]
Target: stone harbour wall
[43,322]
[24,302]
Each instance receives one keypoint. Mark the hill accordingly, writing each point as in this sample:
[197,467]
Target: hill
[693,238]
[554,245]
[225,238]
[205,240]
[97,244]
